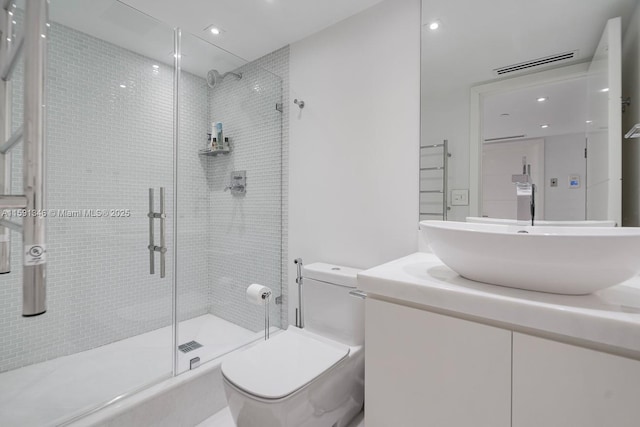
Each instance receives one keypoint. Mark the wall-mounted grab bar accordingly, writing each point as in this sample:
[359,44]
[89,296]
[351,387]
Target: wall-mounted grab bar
[11,225]
[152,246]
[13,140]
[11,62]
[34,251]
[13,202]
[6,24]
[33,234]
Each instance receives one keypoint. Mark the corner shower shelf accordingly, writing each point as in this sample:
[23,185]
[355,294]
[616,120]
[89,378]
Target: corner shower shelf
[215,152]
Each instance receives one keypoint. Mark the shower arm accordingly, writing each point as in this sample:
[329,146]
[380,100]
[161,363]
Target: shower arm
[231,73]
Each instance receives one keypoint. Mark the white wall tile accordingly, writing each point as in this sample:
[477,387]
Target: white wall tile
[247,230]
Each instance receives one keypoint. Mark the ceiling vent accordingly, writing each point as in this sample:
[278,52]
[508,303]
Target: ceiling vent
[540,62]
[504,138]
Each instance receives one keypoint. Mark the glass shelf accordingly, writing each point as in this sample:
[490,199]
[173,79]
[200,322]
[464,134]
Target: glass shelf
[214,152]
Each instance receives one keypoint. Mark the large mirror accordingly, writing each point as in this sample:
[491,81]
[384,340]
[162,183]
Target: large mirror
[512,89]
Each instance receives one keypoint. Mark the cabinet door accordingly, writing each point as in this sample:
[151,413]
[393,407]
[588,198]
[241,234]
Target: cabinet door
[426,369]
[560,385]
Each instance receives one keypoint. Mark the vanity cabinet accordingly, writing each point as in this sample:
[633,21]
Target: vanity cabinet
[559,385]
[426,369]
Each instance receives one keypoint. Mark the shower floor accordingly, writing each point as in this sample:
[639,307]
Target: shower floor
[51,392]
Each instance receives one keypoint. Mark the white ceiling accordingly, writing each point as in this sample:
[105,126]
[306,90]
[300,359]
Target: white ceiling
[475,37]
[564,111]
[252,28]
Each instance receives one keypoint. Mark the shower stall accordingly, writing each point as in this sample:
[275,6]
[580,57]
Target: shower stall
[148,258]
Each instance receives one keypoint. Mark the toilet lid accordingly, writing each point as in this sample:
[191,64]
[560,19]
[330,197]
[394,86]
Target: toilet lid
[283,364]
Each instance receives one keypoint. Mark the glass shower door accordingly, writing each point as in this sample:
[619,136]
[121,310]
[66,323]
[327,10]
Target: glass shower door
[109,140]
[229,200]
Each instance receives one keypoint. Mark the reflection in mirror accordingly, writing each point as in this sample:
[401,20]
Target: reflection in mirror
[604,133]
[502,56]
[545,125]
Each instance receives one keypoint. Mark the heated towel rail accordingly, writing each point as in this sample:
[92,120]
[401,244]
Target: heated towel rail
[440,171]
[33,41]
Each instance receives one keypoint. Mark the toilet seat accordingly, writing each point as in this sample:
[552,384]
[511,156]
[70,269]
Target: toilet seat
[282,365]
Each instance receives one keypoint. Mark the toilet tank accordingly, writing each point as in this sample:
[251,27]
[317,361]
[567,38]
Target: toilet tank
[328,309]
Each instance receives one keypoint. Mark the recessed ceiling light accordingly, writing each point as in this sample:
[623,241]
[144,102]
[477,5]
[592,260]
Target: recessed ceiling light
[155,67]
[589,121]
[214,29]
[123,86]
[606,89]
[542,99]
[434,25]
[544,126]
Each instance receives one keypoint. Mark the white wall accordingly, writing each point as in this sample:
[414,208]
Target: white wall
[353,184]
[631,149]
[564,156]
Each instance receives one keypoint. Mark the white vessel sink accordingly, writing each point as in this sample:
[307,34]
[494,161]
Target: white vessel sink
[561,260]
[587,223]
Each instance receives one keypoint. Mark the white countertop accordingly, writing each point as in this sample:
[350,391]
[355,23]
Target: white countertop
[610,317]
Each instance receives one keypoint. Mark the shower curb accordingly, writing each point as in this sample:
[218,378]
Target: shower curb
[185,400]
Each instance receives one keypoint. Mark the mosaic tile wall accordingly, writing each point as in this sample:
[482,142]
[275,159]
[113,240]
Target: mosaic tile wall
[109,139]
[106,146]
[250,246]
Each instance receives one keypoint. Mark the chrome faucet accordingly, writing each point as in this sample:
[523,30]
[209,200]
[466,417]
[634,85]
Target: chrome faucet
[526,193]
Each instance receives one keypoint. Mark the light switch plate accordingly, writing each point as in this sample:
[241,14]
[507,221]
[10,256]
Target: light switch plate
[459,197]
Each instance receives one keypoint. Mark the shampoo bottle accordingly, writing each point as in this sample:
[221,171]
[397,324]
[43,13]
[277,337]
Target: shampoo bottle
[219,136]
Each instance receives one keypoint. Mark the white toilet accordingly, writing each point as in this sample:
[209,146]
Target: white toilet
[305,377]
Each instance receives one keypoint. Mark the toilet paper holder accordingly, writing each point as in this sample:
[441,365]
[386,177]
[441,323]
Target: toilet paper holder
[261,295]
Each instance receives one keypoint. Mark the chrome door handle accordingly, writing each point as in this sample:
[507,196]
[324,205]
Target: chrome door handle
[152,246]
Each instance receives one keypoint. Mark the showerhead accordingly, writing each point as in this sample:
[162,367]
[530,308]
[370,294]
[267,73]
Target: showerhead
[214,77]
